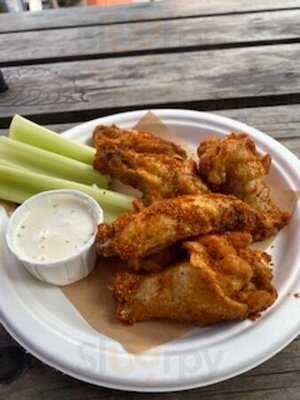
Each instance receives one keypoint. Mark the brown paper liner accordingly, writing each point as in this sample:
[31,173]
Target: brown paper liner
[8,206]
[94,301]
[92,298]
[151,123]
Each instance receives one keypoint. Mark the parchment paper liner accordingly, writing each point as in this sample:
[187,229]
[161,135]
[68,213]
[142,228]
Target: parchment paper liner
[95,303]
[93,299]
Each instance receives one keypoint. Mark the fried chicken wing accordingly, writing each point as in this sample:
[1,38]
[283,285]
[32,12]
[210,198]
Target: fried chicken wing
[168,221]
[220,280]
[140,142]
[233,166]
[158,168]
[155,262]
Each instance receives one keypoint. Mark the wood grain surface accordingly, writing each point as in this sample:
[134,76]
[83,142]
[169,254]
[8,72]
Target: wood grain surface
[238,58]
[167,9]
[153,36]
[280,122]
[241,77]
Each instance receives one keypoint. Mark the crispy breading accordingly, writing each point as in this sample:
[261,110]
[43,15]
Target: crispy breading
[233,166]
[168,221]
[155,262]
[158,168]
[132,139]
[221,280]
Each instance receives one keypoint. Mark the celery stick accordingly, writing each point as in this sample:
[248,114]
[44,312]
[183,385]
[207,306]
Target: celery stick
[10,192]
[11,164]
[23,130]
[45,162]
[17,184]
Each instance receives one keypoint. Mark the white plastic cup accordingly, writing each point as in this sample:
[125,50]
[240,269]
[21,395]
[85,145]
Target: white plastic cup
[67,270]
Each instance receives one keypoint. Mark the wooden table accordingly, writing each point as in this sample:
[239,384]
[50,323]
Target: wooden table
[239,58]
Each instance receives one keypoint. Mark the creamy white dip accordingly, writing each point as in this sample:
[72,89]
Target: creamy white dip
[53,229]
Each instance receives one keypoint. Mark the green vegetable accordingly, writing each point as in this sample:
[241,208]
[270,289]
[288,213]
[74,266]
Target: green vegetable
[17,185]
[11,164]
[23,130]
[44,162]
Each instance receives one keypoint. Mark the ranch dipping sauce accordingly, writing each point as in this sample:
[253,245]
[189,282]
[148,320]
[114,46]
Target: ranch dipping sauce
[54,229]
[53,235]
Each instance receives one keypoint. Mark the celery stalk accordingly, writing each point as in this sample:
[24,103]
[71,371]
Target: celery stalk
[23,130]
[9,192]
[17,185]
[11,164]
[45,162]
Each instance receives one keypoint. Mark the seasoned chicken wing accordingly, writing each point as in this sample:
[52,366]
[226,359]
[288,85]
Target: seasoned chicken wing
[155,262]
[158,168]
[140,142]
[165,222]
[220,280]
[233,166]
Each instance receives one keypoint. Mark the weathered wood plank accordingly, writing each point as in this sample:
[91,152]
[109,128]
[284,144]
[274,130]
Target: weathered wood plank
[34,46]
[292,144]
[40,379]
[3,332]
[280,122]
[102,86]
[139,12]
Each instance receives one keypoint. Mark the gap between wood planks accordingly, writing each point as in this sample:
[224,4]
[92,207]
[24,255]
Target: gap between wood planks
[188,35]
[65,92]
[137,53]
[280,122]
[203,105]
[136,21]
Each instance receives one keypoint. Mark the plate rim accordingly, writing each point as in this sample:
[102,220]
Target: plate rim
[137,115]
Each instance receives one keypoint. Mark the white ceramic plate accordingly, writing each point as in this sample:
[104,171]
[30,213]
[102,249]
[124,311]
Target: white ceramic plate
[46,324]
